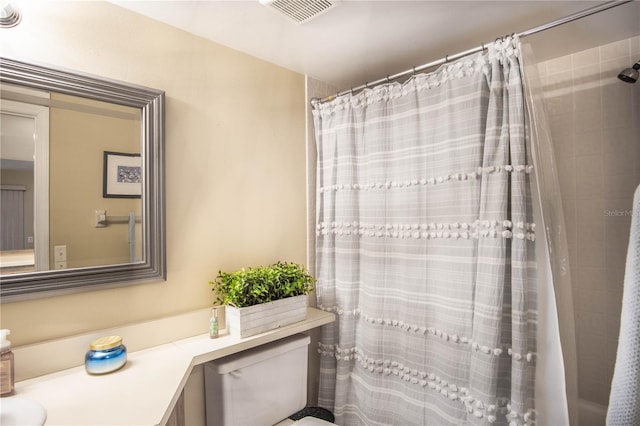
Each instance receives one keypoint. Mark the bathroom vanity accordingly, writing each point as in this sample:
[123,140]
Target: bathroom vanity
[149,387]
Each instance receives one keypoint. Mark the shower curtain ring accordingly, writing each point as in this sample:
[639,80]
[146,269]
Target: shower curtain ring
[388,81]
[414,71]
[446,58]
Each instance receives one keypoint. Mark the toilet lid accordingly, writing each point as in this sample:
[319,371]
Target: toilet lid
[311,421]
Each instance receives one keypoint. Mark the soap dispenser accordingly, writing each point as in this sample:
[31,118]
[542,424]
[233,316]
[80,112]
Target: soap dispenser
[7,377]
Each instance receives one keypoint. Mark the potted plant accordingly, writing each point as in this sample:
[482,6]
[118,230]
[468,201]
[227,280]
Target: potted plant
[263,298]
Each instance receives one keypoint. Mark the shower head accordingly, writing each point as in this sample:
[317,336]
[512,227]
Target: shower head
[630,75]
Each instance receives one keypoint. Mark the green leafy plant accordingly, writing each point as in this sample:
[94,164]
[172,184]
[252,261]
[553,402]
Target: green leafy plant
[252,286]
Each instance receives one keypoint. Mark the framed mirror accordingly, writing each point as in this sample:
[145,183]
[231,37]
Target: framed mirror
[81,180]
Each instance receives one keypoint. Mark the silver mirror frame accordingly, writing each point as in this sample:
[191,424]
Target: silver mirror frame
[9,16]
[152,104]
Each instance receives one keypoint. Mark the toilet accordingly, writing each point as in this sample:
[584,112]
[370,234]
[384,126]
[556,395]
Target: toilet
[262,386]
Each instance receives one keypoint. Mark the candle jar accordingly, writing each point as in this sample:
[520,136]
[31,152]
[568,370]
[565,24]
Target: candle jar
[105,355]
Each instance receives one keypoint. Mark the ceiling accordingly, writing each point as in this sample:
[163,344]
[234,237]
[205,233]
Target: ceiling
[361,41]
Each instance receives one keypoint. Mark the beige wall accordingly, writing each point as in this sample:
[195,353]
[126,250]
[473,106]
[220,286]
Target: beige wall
[595,127]
[80,131]
[235,158]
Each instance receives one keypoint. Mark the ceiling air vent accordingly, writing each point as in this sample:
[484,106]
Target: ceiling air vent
[301,11]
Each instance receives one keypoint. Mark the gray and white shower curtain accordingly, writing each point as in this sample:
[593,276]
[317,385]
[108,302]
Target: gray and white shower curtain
[424,248]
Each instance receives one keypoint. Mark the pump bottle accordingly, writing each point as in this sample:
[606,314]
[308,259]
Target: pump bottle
[213,324]
[7,377]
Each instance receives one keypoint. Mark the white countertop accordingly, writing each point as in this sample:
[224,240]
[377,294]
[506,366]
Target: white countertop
[146,389]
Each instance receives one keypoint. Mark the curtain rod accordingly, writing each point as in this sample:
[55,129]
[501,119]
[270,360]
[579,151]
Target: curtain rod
[587,12]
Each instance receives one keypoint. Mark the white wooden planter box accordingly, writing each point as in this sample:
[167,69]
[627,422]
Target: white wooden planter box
[266,316]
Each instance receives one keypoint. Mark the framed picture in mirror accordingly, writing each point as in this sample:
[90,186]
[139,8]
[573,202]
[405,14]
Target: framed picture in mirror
[122,175]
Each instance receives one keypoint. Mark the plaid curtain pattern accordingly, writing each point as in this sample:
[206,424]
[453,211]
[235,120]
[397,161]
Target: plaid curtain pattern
[424,248]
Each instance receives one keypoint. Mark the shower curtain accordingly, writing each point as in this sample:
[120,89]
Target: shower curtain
[424,248]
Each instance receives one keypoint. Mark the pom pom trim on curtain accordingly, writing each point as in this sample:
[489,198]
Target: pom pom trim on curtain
[429,270]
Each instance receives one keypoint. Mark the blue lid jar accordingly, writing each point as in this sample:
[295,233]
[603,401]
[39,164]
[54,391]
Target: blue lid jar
[105,355]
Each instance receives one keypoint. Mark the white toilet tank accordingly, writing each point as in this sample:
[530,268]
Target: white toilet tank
[260,386]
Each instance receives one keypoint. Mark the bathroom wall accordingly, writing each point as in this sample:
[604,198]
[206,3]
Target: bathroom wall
[595,127]
[235,158]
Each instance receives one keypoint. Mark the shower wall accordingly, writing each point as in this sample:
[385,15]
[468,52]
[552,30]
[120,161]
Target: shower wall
[595,127]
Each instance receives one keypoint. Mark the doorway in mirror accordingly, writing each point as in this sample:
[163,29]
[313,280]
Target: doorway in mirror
[24,181]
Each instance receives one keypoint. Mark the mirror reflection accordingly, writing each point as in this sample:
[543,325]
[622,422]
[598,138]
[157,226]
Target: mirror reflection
[71,190]
[82,179]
